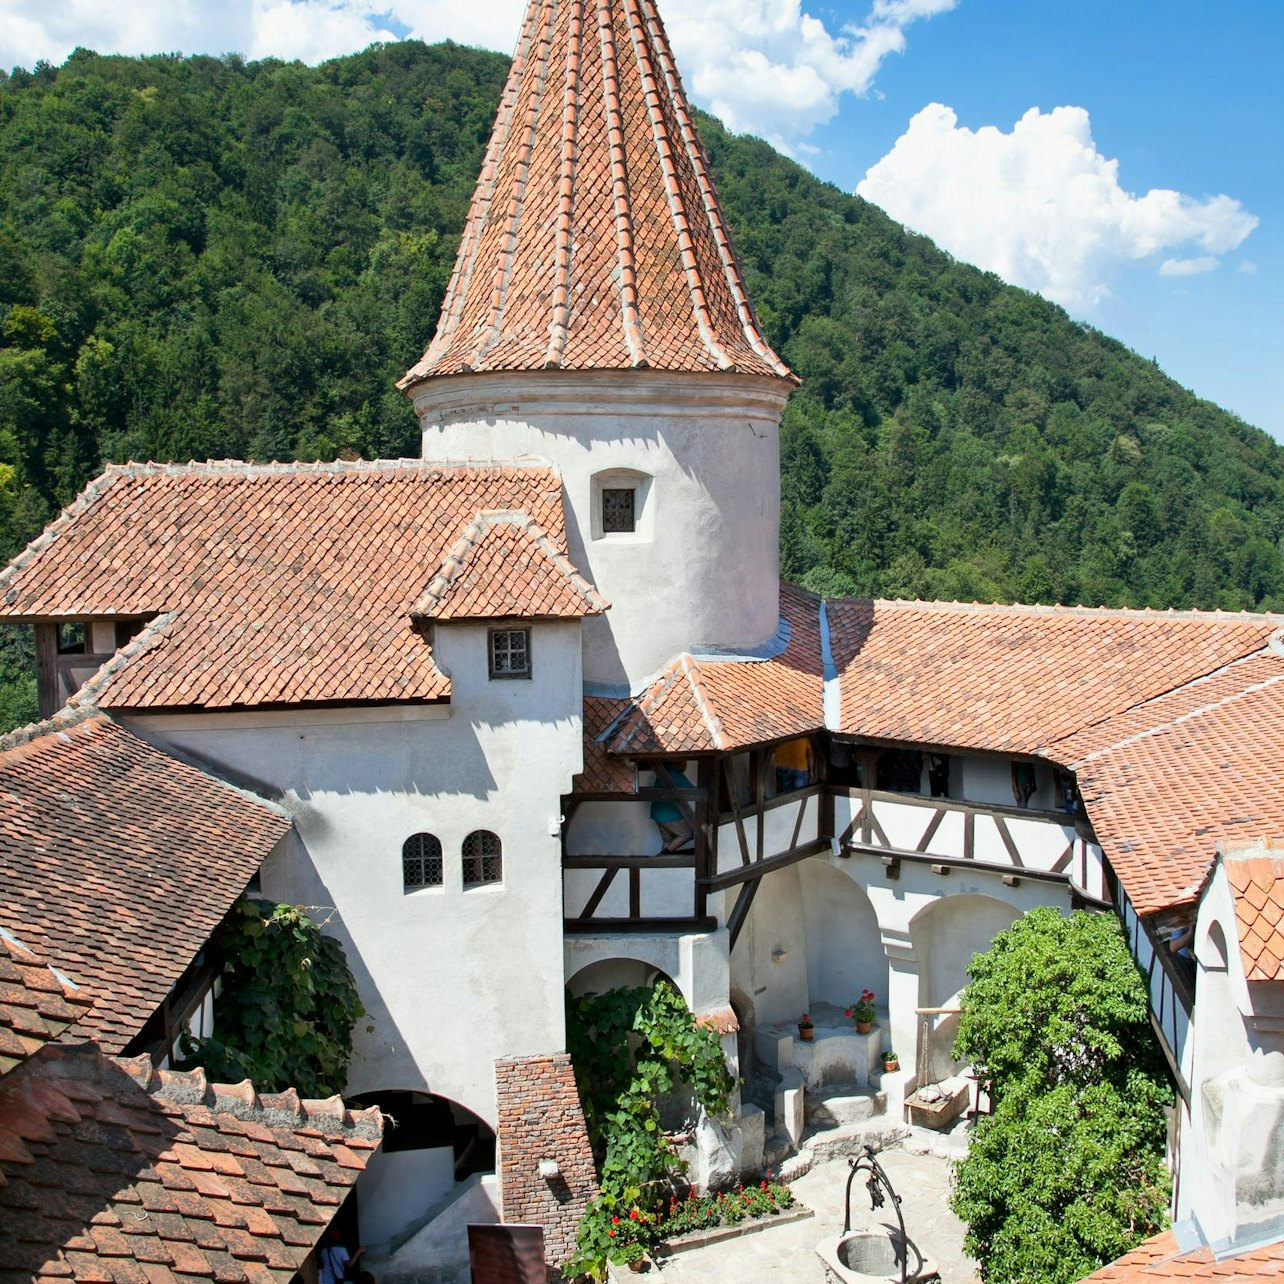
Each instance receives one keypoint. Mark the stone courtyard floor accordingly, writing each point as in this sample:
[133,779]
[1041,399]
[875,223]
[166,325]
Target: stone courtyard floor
[788,1253]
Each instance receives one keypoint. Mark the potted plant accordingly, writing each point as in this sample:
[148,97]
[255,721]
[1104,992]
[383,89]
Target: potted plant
[890,1061]
[630,1255]
[806,1031]
[862,1012]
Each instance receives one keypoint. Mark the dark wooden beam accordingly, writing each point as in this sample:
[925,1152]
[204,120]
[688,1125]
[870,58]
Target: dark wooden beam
[720,882]
[603,926]
[47,670]
[740,911]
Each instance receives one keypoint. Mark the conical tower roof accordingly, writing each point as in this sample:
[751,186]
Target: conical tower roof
[595,239]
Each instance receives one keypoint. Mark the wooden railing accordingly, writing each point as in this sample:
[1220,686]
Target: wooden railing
[1036,844]
[1169,983]
[629,892]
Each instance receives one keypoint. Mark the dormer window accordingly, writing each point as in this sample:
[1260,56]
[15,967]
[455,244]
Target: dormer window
[510,653]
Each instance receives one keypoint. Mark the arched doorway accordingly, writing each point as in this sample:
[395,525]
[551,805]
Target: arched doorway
[430,1145]
[945,935]
[844,948]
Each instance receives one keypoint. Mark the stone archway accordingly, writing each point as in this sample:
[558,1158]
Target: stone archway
[845,953]
[945,935]
[430,1145]
[614,974]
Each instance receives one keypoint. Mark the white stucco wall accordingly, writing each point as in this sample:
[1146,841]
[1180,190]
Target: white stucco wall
[989,780]
[1232,1149]
[703,568]
[775,983]
[452,979]
[397,1188]
[844,950]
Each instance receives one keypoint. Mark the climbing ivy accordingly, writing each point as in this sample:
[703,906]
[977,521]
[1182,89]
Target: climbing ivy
[288,1007]
[630,1047]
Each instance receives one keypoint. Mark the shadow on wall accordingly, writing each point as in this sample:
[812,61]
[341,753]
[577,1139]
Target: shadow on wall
[945,935]
[844,947]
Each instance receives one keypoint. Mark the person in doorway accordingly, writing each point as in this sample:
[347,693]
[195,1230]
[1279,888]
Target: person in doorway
[675,829]
[335,1263]
[793,765]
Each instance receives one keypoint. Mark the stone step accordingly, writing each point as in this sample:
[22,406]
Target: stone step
[838,1104]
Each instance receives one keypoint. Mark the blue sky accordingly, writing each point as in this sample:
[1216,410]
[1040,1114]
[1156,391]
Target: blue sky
[1124,158]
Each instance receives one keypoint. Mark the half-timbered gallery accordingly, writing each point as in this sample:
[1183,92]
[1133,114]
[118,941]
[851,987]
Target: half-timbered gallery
[543,716]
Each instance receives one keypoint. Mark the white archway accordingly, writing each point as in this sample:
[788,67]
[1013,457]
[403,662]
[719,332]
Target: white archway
[945,936]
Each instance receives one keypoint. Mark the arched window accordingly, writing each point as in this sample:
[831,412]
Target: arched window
[421,862]
[483,858]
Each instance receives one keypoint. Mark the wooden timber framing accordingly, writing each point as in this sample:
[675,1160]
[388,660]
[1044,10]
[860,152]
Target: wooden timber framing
[715,774]
[47,686]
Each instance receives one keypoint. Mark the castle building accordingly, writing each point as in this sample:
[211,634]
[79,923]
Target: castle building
[543,716]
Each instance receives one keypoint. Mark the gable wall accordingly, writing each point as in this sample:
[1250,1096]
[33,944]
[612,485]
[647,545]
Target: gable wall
[453,979]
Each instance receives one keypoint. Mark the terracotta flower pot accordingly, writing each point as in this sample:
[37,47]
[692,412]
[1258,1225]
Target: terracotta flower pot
[864,1027]
[806,1033]
[638,1267]
[889,1066]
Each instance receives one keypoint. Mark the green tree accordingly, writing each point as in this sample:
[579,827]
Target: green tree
[1069,1171]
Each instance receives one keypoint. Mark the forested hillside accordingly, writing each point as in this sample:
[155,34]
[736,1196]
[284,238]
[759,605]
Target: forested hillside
[208,258]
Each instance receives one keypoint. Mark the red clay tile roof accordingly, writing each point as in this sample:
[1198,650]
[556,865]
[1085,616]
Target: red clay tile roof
[595,239]
[1158,1259]
[36,1004]
[1257,884]
[603,773]
[1165,782]
[1016,679]
[118,861]
[702,705]
[505,565]
[280,584]
[111,1171]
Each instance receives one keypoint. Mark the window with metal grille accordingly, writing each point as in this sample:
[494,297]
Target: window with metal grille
[510,653]
[483,858]
[421,862]
[617,510]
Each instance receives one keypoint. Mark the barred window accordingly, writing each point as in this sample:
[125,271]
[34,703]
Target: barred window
[421,862]
[617,510]
[483,858]
[510,653]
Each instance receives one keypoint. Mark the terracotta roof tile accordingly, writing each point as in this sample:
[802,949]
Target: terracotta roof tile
[36,1003]
[1168,781]
[1017,679]
[595,238]
[118,861]
[603,773]
[267,584]
[92,1191]
[702,705]
[1257,885]
[1158,1259]
[503,564]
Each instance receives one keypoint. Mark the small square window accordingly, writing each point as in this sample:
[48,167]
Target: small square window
[510,653]
[618,514]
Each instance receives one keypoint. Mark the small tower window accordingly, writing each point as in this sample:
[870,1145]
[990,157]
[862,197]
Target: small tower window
[483,858]
[421,862]
[510,653]
[618,516]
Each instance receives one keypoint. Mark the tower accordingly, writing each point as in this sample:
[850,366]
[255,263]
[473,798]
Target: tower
[597,318]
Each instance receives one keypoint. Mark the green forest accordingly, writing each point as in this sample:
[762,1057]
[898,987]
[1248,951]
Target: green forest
[208,258]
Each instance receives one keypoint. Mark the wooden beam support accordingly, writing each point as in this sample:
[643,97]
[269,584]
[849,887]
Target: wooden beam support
[47,670]
[740,912]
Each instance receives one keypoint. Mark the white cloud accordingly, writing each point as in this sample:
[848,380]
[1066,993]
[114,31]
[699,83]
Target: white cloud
[764,66]
[1040,206]
[1247,267]
[1189,267]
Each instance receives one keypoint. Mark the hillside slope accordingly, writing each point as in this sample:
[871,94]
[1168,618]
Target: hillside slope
[207,258]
